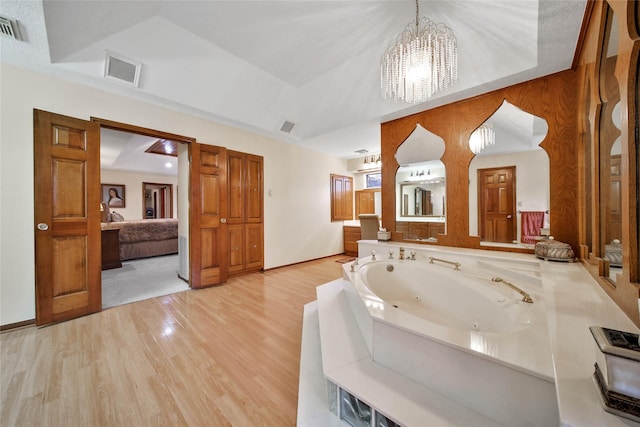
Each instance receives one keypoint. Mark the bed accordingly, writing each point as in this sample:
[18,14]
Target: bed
[145,238]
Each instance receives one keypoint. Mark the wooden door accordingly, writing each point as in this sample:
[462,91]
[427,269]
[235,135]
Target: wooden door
[236,175]
[208,215]
[254,188]
[236,247]
[67,217]
[254,251]
[496,204]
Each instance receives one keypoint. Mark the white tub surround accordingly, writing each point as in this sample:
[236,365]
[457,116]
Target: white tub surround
[556,346]
[344,360]
[458,333]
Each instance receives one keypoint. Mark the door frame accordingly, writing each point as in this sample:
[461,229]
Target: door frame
[43,316]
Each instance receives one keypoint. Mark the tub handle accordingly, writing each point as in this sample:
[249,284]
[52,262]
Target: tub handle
[525,296]
[456,265]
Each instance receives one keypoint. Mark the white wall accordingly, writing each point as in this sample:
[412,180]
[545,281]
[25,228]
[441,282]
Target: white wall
[298,224]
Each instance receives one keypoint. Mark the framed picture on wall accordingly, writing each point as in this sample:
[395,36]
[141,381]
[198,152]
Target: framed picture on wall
[374,180]
[113,195]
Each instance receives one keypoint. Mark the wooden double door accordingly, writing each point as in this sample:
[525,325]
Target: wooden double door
[246,201]
[67,216]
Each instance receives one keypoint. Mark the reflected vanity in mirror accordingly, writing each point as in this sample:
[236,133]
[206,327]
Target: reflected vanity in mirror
[509,195]
[421,187]
[422,194]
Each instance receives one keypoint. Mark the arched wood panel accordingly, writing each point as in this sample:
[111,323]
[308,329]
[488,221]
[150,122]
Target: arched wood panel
[553,98]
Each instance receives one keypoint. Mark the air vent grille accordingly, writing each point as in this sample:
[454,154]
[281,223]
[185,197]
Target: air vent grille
[9,28]
[287,127]
[122,69]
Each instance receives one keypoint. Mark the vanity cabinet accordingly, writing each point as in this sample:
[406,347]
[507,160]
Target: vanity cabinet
[110,242]
[245,212]
[351,235]
[419,230]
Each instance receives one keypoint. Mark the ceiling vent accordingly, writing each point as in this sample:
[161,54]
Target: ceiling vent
[287,126]
[119,68]
[10,28]
[362,151]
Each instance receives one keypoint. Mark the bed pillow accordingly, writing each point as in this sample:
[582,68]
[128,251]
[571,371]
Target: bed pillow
[116,217]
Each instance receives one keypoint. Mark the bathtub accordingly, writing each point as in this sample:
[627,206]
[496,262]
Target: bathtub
[459,333]
[450,298]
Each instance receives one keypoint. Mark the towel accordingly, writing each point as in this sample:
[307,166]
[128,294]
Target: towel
[531,223]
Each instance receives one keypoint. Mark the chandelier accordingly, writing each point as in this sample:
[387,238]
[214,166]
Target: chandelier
[422,61]
[482,138]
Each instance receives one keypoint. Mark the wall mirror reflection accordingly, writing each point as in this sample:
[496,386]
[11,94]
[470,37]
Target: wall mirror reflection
[157,200]
[610,151]
[421,187]
[509,180]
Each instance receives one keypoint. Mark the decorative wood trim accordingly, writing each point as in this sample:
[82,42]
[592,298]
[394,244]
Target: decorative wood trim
[125,127]
[552,98]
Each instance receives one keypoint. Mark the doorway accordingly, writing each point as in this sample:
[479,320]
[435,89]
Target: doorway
[496,204]
[152,261]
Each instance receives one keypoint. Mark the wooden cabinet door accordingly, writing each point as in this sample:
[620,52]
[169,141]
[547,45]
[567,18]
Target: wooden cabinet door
[236,247]
[254,249]
[254,188]
[67,217]
[365,202]
[208,215]
[341,197]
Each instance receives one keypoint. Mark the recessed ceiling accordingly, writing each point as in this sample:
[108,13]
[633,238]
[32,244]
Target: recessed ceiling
[257,64]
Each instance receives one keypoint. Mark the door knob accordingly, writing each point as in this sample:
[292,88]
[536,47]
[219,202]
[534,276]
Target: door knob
[508,216]
[223,220]
[43,227]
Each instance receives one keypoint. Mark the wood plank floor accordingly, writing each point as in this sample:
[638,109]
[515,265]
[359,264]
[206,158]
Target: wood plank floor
[223,356]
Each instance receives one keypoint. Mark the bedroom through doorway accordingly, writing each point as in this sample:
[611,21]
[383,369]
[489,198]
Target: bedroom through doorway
[144,178]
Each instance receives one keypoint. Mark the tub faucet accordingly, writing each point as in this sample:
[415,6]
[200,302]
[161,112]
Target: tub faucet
[401,253]
[525,296]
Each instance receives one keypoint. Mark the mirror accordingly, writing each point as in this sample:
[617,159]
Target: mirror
[157,200]
[422,194]
[588,168]
[509,195]
[421,186]
[610,151]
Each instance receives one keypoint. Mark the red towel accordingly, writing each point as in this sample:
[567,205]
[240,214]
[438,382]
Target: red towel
[531,223]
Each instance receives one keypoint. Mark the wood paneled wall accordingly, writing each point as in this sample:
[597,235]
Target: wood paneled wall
[562,100]
[553,98]
[625,290]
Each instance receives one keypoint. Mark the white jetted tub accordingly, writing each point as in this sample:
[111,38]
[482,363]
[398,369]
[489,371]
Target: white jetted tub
[459,332]
[445,296]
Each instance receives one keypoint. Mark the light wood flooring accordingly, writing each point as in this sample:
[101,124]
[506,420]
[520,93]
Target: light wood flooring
[223,356]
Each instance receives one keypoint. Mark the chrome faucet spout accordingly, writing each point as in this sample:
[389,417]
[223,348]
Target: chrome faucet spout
[525,296]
